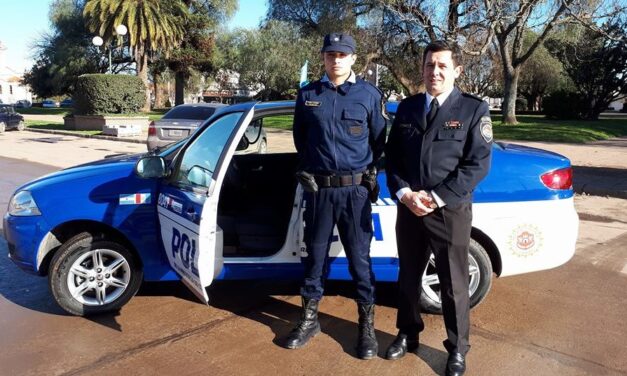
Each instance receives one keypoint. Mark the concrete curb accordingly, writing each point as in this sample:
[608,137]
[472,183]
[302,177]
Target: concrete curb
[97,136]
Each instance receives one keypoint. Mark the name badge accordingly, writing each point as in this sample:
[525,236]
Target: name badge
[312,104]
[453,124]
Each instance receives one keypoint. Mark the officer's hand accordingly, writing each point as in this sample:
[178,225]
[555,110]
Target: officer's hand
[420,203]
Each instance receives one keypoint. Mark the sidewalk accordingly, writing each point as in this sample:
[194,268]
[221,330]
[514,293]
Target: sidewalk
[600,168]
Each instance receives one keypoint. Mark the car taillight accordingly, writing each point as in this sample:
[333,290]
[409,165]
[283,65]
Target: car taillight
[152,131]
[558,179]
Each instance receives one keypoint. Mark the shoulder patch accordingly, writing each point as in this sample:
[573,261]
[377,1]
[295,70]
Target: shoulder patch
[486,128]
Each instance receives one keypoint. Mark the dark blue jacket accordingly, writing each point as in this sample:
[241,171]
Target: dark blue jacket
[338,130]
[450,157]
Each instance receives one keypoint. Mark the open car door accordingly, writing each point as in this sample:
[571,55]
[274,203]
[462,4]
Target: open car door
[188,200]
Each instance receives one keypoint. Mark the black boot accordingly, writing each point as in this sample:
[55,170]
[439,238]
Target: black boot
[307,327]
[367,346]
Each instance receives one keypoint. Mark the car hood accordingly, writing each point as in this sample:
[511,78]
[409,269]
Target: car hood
[102,170]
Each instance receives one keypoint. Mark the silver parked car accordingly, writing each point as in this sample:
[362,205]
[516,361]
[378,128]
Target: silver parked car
[181,121]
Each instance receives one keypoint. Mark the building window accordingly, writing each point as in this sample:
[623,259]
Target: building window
[10,89]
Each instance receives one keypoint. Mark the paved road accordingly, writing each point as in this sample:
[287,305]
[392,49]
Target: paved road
[566,321]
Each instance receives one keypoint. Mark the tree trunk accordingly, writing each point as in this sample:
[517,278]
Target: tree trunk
[179,88]
[142,72]
[156,89]
[510,75]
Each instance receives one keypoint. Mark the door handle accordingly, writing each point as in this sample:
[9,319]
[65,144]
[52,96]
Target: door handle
[191,213]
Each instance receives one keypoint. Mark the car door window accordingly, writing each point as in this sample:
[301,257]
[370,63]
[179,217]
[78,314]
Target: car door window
[202,156]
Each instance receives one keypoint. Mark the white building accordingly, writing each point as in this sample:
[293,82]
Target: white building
[11,88]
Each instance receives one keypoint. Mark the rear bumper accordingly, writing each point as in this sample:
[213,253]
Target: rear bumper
[531,235]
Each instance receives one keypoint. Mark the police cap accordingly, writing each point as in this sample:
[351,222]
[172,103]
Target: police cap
[339,42]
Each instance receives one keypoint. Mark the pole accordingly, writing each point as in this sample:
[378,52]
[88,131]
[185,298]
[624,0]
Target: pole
[110,72]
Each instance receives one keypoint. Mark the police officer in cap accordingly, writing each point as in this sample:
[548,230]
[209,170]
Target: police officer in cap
[339,133]
[439,149]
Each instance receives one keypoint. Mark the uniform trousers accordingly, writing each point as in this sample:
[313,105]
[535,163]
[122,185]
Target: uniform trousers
[446,233]
[349,208]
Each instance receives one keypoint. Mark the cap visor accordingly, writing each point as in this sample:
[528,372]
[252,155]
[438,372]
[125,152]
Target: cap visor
[337,48]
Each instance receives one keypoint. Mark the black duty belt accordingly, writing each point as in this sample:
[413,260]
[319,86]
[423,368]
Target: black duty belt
[326,181]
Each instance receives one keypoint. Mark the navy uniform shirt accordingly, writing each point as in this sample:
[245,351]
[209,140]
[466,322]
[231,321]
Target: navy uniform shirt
[449,157]
[339,129]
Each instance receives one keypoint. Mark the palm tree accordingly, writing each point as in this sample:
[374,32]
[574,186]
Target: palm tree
[153,25]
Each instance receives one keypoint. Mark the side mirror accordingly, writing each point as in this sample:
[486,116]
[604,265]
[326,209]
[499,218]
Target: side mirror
[150,167]
[198,175]
[253,131]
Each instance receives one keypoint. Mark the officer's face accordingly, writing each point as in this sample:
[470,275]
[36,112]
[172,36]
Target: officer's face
[439,72]
[338,64]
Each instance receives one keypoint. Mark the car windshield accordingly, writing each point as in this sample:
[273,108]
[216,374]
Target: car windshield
[190,112]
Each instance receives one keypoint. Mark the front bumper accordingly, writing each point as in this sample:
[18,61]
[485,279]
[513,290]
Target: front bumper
[23,236]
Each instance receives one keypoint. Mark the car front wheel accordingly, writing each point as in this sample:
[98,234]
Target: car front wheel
[480,281]
[21,126]
[93,275]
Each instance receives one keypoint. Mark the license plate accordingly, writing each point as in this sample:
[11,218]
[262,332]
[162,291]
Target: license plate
[176,133]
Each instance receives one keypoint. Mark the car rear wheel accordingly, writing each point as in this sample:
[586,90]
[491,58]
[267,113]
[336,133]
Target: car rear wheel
[93,275]
[21,126]
[3,126]
[480,272]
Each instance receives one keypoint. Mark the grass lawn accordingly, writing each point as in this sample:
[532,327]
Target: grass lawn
[530,127]
[537,128]
[44,111]
[279,122]
[152,115]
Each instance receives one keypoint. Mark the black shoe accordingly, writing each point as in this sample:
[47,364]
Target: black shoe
[307,327]
[401,345]
[367,346]
[455,365]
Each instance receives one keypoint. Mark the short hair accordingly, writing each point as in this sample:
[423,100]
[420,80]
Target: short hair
[442,45]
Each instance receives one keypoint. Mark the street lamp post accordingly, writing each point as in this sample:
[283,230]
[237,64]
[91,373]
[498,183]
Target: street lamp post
[97,41]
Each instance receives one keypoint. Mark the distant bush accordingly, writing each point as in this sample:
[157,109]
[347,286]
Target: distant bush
[521,104]
[564,104]
[99,94]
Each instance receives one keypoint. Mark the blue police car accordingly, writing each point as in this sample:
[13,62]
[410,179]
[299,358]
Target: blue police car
[198,211]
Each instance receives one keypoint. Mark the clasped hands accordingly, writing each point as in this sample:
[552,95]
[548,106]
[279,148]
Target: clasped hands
[420,203]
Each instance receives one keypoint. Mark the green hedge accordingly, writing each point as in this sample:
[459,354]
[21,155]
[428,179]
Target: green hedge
[564,105]
[99,94]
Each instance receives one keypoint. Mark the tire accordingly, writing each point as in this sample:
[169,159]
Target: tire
[3,126]
[21,126]
[263,146]
[479,284]
[75,282]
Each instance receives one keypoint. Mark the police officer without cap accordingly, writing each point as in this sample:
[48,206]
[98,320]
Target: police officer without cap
[438,150]
[339,133]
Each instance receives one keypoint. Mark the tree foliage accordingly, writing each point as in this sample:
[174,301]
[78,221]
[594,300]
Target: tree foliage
[195,52]
[108,94]
[270,58]
[63,54]
[596,64]
[153,25]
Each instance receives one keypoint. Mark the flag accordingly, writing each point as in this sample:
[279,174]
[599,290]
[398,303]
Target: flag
[303,74]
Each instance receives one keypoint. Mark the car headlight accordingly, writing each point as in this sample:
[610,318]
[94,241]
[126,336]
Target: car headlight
[22,204]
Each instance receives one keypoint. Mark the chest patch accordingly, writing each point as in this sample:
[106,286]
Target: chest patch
[356,130]
[486,128]
[312,103]
[454,124]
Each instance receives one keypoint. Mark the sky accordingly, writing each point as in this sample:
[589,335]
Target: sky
[25,21]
